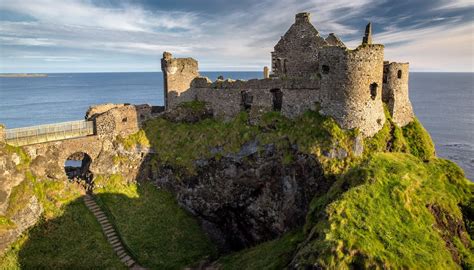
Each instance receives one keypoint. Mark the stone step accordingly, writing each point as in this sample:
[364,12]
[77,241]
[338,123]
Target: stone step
[106,226]
[120,252]
[109,231]
[102,218]
[116,244]
[113,238]
[111,234]
[114,241]
[100,215]
[130,262]
[125,258]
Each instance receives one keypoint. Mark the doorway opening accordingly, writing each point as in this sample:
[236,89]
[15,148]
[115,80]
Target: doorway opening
[277,99]
[77,168]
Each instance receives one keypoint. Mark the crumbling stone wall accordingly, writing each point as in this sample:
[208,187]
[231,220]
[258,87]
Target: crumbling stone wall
[227,97]
[296,54]
[123,119]
[178,74]
[351,86]
[395,92]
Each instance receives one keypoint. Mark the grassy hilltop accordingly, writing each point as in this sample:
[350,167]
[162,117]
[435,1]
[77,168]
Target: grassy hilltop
[395,205]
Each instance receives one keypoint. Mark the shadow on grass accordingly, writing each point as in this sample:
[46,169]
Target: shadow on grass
[156,230]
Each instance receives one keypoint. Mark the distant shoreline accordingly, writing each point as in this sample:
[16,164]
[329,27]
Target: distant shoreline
[23,75]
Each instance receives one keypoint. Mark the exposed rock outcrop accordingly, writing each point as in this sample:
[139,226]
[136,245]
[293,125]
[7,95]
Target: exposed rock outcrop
[251,196]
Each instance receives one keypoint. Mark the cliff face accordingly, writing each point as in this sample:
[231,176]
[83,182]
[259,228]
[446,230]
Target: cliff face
[251,196]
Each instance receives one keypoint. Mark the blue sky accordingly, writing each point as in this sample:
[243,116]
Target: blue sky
[107,35]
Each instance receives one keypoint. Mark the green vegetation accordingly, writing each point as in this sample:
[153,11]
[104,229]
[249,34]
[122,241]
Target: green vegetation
[377,216]
[70,240]
[131,141]
[158,232]
[274,254]
[419,140]
[313,133]
[391,207]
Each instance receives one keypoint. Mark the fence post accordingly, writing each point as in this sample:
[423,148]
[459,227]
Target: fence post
[2,134]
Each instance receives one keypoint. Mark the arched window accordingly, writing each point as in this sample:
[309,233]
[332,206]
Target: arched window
[373,90]
[399,74]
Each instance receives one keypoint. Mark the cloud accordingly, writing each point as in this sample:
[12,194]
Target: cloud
[81,13]
[454,4]
[131,35]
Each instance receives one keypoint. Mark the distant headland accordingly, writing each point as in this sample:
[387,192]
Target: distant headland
[23,75]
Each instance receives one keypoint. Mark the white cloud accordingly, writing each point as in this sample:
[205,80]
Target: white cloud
[241,39]
[455,4]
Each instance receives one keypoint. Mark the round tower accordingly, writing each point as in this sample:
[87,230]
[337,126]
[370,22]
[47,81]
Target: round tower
[351,86]
[395,92]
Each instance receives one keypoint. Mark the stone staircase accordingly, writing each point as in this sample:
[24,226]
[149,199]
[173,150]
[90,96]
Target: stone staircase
[112,236]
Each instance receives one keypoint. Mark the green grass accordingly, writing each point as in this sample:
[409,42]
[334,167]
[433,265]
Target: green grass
[180,144]
[419,140]
[274,254]
[158,232]
[71,240]
[382,220]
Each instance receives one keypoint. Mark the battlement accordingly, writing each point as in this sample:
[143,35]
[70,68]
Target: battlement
[308,73]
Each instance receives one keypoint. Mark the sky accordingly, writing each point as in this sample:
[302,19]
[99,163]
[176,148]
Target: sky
[223,35]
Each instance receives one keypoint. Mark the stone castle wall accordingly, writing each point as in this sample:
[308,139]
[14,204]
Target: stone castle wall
[228,98]
[395,92]
[351,86]
[119,120]
[178,74]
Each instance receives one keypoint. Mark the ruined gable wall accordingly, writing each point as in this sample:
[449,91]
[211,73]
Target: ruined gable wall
[351,86]
[296,54]
[395,93]
[178,73]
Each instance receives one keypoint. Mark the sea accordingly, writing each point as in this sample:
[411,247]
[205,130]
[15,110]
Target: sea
[443,102]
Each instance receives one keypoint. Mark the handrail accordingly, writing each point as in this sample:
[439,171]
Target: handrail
[50,132]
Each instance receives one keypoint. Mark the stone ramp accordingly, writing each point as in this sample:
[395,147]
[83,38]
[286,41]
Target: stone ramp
[111,234]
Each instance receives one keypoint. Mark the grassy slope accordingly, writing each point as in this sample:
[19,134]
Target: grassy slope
[71,240]
[67,235]
[384,221]
[159,233]
[274,254]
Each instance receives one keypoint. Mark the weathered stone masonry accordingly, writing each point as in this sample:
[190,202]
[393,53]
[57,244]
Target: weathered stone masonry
[349,85]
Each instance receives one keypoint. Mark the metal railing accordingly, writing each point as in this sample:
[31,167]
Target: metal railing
[49,133]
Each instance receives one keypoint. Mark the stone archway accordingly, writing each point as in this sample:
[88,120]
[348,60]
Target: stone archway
[77,169]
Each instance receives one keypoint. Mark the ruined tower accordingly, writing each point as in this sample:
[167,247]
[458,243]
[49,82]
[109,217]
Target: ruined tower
[351,86]
[178,74]
[296,54]
[395,92]
[367,39]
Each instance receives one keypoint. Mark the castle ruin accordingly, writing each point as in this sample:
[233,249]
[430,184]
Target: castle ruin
[309,72]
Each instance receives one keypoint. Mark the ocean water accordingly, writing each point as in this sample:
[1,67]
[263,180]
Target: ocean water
[444,102]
